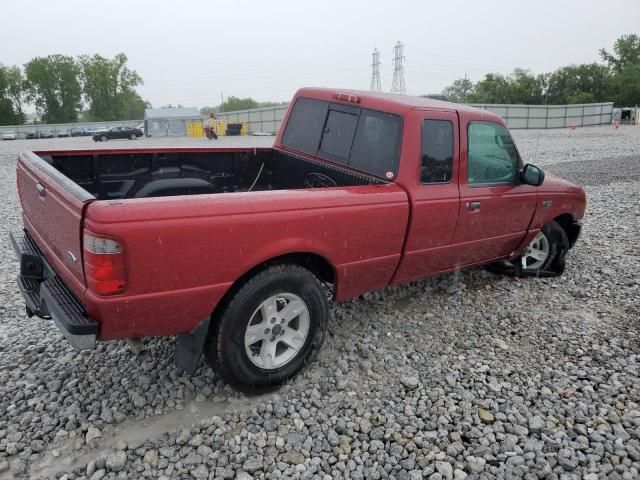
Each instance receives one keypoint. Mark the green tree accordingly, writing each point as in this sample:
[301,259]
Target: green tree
[626,51]
[132,106]
[459,90]
[626,85]
[624,63]
[581,97]
[233,104]
[238,104]
[493,88]
[526,88]
[520,87]
[270,104]
[53,86]
[16,90]
[11,95]
[108,86]
[7,115]
[573,81]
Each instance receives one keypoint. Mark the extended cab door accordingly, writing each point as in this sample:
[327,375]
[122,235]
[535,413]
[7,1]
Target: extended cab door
[495,210]
[434,195]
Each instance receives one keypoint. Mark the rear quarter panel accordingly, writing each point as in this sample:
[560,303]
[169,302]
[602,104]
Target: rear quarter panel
[184,253]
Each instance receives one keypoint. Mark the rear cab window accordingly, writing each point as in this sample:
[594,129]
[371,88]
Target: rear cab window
[363,139]
[437,151]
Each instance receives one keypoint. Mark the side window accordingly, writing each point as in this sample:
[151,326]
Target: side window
[492,155]
[437,151]
[337,136]
[305,125]
[377,143]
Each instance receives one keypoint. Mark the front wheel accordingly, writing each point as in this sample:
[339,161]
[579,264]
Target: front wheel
[132,136]
[269,330]
[543,257]
[103,138]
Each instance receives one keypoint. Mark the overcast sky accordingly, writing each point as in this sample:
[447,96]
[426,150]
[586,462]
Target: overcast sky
[189,52]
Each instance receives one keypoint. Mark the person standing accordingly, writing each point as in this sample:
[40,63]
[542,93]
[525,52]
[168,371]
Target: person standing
[210,130]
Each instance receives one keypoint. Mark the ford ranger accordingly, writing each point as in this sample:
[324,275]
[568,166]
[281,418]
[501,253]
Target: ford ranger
[237,251]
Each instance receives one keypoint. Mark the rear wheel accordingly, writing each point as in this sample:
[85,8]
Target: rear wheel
[132,136]
[269,330]
[543,257]
[103,138]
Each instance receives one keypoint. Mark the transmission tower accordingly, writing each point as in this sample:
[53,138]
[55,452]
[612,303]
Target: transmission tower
[375,73]
[398,69]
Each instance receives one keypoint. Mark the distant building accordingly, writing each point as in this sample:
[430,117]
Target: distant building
[170,122]
[626,115]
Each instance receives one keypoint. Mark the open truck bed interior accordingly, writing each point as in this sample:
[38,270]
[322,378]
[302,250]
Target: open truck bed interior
[129,174]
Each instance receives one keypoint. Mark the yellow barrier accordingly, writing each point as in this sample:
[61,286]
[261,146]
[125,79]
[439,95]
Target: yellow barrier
[221,128]
[194,129]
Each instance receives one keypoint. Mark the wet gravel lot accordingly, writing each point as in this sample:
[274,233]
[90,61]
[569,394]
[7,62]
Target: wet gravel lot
[468,375]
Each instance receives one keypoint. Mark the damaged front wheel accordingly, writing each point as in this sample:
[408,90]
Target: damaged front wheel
[543,257]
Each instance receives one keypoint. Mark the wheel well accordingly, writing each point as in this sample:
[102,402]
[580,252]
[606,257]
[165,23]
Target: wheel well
[316,264]
[565,221]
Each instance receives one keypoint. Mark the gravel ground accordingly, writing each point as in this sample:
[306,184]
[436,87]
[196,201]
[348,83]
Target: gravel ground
[468,375]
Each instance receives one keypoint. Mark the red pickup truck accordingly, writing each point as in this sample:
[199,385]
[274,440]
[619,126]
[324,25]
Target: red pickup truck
[238,251]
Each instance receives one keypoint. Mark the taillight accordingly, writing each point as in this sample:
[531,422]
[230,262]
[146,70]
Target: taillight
[104,265]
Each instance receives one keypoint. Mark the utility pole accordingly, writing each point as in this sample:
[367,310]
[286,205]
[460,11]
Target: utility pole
[375,73]
[221,102]
[464,98]
[398,69]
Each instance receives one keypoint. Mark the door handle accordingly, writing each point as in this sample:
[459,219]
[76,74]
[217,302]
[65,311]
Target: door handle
[41,190]
[475,205]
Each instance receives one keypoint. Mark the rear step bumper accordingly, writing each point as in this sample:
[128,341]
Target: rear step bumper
[46,295]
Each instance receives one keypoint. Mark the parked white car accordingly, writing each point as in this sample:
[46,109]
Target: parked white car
[9,136]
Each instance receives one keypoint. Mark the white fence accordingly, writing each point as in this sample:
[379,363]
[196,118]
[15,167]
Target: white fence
[267,120]
[516,116]
[552,116]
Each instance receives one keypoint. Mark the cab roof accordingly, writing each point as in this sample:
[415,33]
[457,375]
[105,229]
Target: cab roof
[390,102]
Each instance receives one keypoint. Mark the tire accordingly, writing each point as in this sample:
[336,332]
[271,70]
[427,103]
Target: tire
[226,347]
[552,265]
[103,138]
[133,136]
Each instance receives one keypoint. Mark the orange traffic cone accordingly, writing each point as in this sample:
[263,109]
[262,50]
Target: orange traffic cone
[617,125]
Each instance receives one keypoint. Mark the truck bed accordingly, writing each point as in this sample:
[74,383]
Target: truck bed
[190,227]
[141,174]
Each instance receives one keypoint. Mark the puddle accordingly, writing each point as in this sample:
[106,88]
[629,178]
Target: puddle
[61,457]
[403,303]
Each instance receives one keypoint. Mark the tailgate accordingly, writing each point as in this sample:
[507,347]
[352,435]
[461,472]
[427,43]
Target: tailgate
[52,208]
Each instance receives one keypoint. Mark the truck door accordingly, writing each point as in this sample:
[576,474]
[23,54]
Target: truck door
[495,210]
[435,199]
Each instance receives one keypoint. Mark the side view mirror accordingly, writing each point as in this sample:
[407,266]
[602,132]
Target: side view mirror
[531,175]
